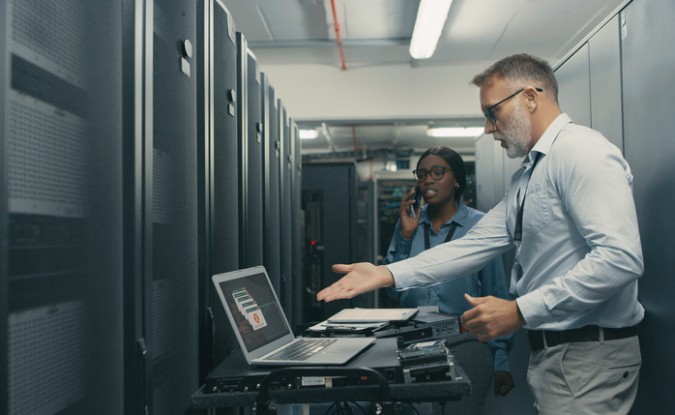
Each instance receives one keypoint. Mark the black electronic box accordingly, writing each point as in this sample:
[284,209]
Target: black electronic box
[235,375]
[427,361]
[423,326]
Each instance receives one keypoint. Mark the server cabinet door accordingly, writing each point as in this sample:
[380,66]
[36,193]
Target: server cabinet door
[329,197]
[250,157]
[285,170]
[218,173]
[171,247]
[297,228]
[272,227]
[61,207]
[253,169]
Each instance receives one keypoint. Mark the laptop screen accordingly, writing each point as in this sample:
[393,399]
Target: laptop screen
[257,314]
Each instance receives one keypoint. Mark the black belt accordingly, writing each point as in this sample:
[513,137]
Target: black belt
[583,334]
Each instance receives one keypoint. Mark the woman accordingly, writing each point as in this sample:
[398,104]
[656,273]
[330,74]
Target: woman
[441,180]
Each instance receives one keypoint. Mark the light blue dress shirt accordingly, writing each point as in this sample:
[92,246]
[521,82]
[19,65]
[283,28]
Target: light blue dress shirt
[449,295]
[580,256]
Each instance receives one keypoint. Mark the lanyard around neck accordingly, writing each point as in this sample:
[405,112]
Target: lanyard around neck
[451,231]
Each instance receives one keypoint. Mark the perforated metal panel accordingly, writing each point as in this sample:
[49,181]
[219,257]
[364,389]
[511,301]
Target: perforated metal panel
[250,157]
[218,98]
[171,289]
[297,228]
[253,169]
[54,368]
[225,171]
[286,218]
[335,215]
[271,203]
[61,272]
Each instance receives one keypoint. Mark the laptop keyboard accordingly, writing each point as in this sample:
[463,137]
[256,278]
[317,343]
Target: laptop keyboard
[300,350]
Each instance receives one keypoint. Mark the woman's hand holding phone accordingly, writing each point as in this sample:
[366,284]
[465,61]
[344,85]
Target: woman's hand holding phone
[410,213]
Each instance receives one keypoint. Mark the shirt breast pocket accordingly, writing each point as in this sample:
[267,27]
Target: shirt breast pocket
[537,211]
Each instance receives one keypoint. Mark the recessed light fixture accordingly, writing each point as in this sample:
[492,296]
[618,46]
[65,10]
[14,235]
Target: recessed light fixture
[308,134]
[431,17]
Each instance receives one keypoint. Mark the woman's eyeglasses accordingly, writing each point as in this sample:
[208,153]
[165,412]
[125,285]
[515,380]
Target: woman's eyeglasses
[436,173]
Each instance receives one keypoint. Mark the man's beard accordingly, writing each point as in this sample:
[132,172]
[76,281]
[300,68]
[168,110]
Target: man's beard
[517,135]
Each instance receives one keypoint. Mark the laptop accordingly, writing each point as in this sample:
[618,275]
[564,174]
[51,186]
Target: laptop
[262,329]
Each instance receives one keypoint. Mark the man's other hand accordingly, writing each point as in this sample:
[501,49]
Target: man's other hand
[491,317]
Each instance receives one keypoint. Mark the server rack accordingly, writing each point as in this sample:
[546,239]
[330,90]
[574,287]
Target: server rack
[329,196]
[136,375]
[219,173]
[61,257]
[297,228]
[250,153]
[4,229]
[170,291]
[365,222]
[112,152]
[271,204]
[286,169]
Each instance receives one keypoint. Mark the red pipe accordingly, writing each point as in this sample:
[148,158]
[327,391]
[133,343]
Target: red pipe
[338,38]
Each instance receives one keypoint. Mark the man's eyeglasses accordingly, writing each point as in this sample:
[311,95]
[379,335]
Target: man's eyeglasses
[436,173]
[489,111]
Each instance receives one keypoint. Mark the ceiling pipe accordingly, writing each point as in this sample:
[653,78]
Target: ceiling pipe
[338,38]
[315,43]
[355,142]
[326,133]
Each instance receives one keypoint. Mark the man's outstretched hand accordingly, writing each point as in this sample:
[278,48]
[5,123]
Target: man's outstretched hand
[361,277]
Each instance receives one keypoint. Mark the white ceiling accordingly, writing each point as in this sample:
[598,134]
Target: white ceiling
[383,99]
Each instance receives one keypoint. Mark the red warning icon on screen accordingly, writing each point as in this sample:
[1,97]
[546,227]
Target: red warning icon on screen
[249,308]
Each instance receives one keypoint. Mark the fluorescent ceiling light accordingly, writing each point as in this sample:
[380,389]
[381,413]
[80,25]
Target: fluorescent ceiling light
[455,131]
[431,17]
[308,134]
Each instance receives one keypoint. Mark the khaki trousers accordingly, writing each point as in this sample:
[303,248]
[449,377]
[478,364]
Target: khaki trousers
[599,377]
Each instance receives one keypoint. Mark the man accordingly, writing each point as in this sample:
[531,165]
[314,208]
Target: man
[569,211]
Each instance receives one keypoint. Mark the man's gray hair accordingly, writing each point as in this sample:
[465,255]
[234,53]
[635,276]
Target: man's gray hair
[521,68]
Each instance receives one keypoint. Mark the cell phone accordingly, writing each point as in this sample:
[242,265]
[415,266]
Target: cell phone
[412,209]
